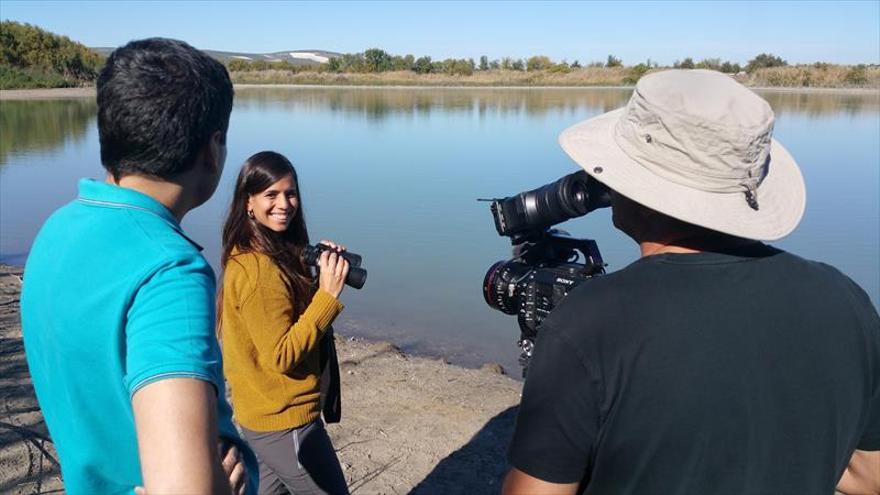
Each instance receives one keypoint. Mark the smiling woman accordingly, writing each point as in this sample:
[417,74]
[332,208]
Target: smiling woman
[276,335]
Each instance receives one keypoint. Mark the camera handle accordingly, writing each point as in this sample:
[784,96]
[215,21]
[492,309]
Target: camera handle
[528,346]
[557,245]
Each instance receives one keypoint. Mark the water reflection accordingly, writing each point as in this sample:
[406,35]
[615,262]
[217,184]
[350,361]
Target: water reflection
[43,125]
[381,103]
[824,103]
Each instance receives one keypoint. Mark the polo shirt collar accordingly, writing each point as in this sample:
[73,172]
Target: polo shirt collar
[104,194]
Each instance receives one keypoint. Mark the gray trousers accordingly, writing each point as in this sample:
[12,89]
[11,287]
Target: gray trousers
[297,461]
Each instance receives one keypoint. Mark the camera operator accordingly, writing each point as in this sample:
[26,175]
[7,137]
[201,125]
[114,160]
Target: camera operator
[715,363]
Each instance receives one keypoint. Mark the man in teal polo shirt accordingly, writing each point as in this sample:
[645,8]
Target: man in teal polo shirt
[118,303]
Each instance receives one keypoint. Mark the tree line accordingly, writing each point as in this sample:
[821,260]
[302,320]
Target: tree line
[32,57]
[376,60]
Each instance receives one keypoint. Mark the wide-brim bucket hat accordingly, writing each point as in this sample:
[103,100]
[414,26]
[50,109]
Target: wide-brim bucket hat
[697,146]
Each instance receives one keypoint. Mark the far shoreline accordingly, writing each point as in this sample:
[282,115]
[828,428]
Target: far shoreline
[89,91]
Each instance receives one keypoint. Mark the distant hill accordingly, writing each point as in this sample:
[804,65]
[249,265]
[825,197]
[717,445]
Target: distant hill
[294,57]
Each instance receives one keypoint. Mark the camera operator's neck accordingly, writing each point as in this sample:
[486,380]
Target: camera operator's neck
[689,244]
[657,233]
[651,248]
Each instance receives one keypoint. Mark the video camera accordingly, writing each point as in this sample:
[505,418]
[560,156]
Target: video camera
[545,266]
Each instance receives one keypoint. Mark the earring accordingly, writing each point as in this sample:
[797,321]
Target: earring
[251,214]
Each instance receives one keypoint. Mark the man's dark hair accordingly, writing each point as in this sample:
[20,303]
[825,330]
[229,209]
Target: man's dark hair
[159,102]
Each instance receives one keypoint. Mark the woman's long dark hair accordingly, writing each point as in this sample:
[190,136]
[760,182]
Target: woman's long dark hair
[247,235]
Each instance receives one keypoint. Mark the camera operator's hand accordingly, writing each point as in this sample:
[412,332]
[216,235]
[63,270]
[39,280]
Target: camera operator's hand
[333,270]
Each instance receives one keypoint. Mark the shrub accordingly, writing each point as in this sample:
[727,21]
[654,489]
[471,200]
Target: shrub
[613,62]
[560,68]
[857,75]
[687,63]
[710,63]
[764,61]
[423,65]
[12,78]
[635,73]
[729,68]
[539,62]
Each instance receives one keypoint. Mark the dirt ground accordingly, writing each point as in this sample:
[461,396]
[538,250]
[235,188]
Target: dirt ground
[409,424]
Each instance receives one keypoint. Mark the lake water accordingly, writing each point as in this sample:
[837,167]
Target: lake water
[394,174]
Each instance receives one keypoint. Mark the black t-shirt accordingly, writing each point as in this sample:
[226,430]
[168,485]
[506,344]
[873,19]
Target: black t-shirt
[704,373]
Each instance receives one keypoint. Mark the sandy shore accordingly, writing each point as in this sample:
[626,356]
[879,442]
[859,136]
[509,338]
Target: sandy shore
[46,94]
[409,424]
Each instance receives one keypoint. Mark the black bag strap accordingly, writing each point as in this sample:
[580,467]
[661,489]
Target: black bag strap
[331,394]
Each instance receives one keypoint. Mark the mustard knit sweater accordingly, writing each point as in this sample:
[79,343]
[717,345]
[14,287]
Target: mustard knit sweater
[270,354]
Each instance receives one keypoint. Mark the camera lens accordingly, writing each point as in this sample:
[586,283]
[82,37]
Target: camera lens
[500,285]
[557,201]
[578,195]
[574,194]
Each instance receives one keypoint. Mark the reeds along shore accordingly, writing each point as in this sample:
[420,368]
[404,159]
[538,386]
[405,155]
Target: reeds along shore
[798,76]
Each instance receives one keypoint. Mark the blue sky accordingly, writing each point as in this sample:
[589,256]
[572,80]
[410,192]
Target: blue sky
[800,32]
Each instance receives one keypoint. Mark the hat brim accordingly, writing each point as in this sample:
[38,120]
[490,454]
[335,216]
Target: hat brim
[781,196]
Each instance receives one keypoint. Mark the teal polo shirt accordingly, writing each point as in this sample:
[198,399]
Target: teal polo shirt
[115,297]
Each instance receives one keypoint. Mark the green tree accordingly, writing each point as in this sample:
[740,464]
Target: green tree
[687,63]
[763,61]
[561,67]
[484,63]
[333,65]
[730,68]
[575,65]
[538,62]
[347,62]
[460,67]
[401,63]
[857,75]
[635,73]
[613,62]
[518,64]
[377,60]
[423,65]
[710,63]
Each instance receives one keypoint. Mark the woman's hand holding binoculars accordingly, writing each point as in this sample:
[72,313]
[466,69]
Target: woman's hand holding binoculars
[333,269]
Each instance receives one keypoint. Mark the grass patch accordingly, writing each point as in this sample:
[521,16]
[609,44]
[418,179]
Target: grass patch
[799,76]
[13,78]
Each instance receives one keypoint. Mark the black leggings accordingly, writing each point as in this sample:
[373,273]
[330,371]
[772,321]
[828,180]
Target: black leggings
[298,461]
